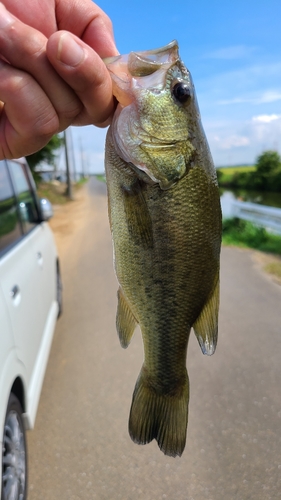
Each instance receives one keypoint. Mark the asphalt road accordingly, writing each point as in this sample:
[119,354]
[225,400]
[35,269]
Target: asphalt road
[80,448]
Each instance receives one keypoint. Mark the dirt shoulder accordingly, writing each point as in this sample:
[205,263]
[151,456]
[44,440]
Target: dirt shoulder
[68,218]
[269,264]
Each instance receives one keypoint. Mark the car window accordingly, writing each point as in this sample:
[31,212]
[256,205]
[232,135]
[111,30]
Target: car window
[10,229]
[26,202]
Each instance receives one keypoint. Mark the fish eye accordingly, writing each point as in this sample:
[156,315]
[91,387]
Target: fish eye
[181,92]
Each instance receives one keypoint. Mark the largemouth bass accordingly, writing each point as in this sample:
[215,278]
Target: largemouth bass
[165,218]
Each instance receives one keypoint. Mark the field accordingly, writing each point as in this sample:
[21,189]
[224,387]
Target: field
[239,169]
[236,176]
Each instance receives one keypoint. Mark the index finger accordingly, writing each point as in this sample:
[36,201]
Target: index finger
[86,20]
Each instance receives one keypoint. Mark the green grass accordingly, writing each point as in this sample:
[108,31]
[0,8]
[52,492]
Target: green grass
[81,182]
[236,177]
[245,234]
[274,268]
[56,193]
[101,177]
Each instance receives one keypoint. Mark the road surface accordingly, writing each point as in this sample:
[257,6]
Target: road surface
[80,448]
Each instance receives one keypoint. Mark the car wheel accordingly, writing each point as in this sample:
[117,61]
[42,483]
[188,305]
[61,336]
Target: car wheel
[14,453]
[59,291]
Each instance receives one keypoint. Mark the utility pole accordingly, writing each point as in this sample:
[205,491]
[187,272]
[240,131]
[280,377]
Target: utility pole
[68,176]
[71,153]
[82,159]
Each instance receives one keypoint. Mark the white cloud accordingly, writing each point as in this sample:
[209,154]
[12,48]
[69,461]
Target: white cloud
[241,141]
[231,141]
[266,130]
[266,97]
[241,112]
[233,52]
[269,96]
[252,85]
[265,118]
[234,100]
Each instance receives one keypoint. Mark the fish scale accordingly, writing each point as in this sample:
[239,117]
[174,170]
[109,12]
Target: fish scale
[166,229]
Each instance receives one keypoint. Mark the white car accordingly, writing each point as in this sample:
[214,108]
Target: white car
[30,302]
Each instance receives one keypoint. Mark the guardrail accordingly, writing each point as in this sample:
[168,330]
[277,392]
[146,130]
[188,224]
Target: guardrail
[267,217]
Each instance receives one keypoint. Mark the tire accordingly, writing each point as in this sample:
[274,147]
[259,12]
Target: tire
[59,291]
[14,454]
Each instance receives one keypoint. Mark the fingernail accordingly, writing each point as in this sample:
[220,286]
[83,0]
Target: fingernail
[5,17]
[69,51]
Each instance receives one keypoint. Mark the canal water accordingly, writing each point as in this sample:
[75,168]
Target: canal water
[260,197]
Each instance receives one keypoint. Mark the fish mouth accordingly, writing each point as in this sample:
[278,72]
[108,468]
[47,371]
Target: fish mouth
[142,63]
[137,67]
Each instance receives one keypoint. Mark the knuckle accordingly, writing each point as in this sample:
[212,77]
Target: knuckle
[70,110]
[22,41]
[46,125]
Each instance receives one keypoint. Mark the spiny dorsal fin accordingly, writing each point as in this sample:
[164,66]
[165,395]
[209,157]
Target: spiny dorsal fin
[206,325]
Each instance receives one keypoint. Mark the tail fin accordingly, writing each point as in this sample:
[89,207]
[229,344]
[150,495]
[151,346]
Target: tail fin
[159,416]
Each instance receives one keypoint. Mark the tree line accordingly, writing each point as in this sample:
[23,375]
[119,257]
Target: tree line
[265,177]
[48,155]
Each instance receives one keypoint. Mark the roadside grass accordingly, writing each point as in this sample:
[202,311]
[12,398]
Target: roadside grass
[274,268]
[81,182]
[101,177]
[55,191]
[245,234]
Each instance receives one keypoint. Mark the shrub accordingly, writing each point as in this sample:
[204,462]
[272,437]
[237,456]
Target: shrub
[244,233]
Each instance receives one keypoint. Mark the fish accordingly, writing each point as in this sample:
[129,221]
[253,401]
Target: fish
[165,219]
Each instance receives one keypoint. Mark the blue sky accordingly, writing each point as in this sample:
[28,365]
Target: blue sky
[233,52]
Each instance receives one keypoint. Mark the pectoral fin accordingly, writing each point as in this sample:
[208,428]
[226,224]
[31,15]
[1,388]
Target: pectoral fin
[206,325]
[137,215]
[125,320]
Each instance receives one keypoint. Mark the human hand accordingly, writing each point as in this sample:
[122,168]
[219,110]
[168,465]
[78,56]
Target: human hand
[42,85]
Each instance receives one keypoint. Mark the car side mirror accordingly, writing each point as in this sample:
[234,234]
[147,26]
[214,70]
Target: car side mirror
[46,209]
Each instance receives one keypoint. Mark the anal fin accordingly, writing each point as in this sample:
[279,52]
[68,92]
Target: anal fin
[125,320]
[206,325]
